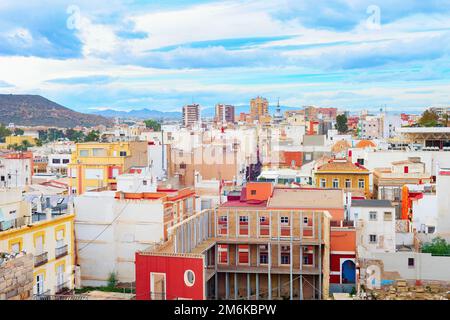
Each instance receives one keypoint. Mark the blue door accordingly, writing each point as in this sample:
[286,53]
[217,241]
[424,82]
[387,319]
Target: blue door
[348,272]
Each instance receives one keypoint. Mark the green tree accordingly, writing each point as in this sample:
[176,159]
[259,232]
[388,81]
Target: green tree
[4,132]
[18,132]
[341,123]
[94,135]
[429,119]
[38,142]
[75,135]
[438,246]
[54,134]
[153,124]
[445,119]
[23,146]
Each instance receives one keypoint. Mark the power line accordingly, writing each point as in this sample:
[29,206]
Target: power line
[107,226]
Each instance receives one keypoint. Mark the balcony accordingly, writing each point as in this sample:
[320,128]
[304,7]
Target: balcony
[11,224]
[41,259]
[61,251]
[62,288]
[42,296]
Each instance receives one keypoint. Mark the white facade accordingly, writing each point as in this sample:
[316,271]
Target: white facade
[15,173]
[443,200]
[58,162]
[109,231]
[375,225]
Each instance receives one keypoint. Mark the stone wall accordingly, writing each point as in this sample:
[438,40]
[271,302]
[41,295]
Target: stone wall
[16,278]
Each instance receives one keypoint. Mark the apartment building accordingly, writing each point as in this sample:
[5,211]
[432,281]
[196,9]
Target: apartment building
[16,169]
[41,226]
[138,215]
[260,244]
[388,182]
[191,115]
[224,113]
[375,223]
[96,165]
[259,107]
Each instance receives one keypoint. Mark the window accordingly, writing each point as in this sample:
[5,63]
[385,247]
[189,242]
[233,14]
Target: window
[263,258]
[123,153]
[323,183]
[60,275]
[285,255]
[360,161]
[253,192]
[65,161]
[99,152]
[284,259]
[223,253]
[182,166]
[39,288]
[56,161]
[388,216]
[405,169]
[373,238]
[243,219]
[243,254]
[189,278]
[306,260]
[372,216]
[361,184]
[15,247]
[223,219]
[284,220]
[84,153]
[335,183]
[411,262]
[144,182]
[263,254]
[262,219]
[305,220]
[348,183]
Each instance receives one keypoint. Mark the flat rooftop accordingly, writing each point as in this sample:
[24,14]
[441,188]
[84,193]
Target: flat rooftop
[372,203]
[307,198]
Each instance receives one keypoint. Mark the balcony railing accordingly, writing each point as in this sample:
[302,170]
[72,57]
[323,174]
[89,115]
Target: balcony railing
[10,224]
[61,251]
[42,296]
[40,259]
[62,287]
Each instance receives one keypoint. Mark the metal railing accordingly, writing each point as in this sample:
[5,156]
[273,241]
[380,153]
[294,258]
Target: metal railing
[13,223]
[40,259]
[58,297]
[61,251]
[62,287]
[41,296]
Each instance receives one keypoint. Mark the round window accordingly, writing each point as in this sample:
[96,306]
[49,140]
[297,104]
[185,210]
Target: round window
[189,278]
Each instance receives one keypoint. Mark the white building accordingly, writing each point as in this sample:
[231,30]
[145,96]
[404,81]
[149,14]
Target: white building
[16,169]
[443,200]
[58,162]
[375,222]
[110,227]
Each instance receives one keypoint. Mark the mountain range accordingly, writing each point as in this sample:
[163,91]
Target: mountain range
[35,110]
[155,114]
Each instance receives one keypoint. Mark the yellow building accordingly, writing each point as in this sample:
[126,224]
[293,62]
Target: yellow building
[47,235]
[342,174]
[96,165]
[9,140]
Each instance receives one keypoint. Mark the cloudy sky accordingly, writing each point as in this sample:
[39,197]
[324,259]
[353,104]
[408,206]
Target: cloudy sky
[161,54]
